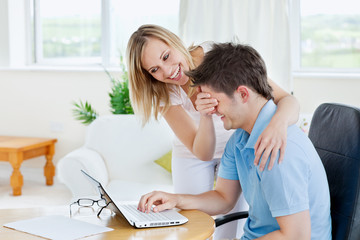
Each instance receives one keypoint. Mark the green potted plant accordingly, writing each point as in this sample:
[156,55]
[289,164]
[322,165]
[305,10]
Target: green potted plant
[119,98]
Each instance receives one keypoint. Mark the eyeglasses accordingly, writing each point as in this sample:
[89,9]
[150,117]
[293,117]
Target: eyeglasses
[87,202]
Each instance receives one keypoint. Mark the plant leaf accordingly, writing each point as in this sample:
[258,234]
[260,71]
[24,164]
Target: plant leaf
[119,95]
[84,112]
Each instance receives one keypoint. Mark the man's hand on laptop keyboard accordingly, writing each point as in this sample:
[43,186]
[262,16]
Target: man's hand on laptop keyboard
[161,200]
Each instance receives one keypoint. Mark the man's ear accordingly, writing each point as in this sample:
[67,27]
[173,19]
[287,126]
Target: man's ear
[243,91]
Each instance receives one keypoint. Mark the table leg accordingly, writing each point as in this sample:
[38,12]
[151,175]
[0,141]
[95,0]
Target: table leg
[16,179]
[49,168]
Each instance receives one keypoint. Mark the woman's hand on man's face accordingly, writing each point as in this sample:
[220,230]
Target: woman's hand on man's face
[205,104]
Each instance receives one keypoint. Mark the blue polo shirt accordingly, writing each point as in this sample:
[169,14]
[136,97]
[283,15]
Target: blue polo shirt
[299,183]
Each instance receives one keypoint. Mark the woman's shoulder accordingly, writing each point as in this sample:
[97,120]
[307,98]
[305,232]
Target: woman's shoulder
[201,48]
[198,51]
[206,46]
[197,54]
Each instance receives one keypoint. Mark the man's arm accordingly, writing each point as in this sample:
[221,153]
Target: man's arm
[219,201]
[294,226]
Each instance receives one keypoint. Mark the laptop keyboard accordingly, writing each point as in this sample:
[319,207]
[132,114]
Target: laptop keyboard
[140,216]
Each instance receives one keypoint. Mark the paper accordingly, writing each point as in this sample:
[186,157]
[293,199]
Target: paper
[57,227]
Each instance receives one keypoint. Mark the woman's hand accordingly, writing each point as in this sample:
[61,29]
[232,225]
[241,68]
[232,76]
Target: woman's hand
[161,200]
[205,104]
[271,140]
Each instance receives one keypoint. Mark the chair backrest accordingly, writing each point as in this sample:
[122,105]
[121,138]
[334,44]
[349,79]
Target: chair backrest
[335,133]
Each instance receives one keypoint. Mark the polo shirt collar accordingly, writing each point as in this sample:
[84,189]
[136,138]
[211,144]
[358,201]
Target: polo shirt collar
[264,118]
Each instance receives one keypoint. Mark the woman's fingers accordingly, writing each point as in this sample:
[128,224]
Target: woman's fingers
[265,156]
[268,151]
[205,104]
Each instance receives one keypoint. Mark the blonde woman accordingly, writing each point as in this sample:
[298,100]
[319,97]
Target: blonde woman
[157,61]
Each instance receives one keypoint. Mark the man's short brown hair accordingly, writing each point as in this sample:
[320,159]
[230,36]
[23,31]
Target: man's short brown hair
[230,65]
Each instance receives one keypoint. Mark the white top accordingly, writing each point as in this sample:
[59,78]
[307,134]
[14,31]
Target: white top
[179,97]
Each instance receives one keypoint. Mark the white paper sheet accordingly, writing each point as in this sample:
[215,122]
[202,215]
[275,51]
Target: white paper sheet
[57,227]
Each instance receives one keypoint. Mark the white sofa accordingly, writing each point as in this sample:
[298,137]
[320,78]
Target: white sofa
[120,154]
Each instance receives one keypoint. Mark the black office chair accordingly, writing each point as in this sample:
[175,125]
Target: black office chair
[335,133]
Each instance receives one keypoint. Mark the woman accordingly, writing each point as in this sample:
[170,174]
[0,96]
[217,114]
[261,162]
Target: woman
[157,61]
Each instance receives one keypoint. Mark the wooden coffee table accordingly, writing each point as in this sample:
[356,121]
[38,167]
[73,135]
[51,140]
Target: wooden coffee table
[200,225]
[17,149]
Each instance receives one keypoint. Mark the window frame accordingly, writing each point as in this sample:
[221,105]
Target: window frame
[295,38]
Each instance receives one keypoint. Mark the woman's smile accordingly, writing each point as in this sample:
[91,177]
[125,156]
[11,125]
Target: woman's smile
[177,74]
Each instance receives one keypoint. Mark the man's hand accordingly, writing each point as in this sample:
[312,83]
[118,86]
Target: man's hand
[161,200]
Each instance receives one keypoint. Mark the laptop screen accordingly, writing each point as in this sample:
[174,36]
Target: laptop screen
[102,192]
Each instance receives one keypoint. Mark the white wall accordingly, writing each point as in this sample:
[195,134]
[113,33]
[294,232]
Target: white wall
[32,101]
[311,92]
[4,39]
[39,103]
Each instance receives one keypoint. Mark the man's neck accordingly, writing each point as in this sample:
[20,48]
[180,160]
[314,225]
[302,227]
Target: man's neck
[255,108]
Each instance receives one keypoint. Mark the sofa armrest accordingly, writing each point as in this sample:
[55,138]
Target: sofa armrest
[69,171]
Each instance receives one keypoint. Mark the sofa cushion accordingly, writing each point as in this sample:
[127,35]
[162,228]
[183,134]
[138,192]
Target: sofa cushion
[165,161]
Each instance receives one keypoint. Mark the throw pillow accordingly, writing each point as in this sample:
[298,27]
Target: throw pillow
[165,161]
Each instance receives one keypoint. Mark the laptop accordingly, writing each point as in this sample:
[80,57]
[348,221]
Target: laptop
[135,217]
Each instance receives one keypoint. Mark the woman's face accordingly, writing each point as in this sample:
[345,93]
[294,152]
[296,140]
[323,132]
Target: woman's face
[164,63]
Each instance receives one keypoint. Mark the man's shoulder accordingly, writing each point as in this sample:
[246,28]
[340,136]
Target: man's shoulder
[296,137]
[299,146]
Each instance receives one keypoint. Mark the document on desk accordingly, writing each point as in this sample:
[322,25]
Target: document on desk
[57,227]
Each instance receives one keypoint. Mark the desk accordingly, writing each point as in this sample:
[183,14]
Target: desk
[17,149]
[200,225]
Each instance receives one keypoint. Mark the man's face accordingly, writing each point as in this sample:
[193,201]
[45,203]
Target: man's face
[229,108]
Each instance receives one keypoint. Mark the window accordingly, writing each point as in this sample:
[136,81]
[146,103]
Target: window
[329,36]
[67,32]
[126,16]
[84,32]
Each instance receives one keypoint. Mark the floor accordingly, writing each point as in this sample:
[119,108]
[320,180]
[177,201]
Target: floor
[34,191]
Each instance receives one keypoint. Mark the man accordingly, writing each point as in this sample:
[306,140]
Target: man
[289,202]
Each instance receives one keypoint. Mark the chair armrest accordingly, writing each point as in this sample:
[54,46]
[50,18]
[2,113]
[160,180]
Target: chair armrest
[230,217]
[69,167]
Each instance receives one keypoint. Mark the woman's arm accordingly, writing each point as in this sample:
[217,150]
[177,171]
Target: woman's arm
[273,138]
[199,140]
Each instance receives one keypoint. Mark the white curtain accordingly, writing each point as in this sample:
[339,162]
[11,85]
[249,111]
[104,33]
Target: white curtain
[263,24]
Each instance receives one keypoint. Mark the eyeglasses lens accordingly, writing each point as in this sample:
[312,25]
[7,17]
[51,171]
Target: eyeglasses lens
[102,203]
[86,202]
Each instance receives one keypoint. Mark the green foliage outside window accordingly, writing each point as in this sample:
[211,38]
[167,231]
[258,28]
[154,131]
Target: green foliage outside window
[330,41]
[70,37]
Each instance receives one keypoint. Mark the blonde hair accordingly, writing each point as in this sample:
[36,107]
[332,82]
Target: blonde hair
[146,92]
